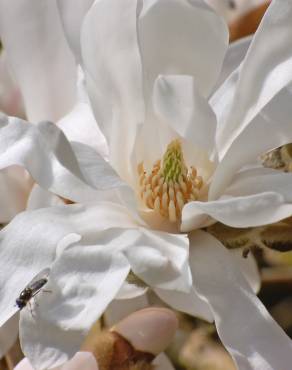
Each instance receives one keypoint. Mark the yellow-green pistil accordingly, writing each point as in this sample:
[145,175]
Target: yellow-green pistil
[170,185]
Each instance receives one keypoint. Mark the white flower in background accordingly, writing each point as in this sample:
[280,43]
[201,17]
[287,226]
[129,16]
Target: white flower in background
[36,53]
[149,73]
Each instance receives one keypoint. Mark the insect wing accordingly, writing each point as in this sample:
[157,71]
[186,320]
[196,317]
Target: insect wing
[37,286]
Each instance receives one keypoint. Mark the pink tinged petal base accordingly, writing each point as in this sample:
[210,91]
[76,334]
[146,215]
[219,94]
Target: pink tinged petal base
[10,98]
[245,327]
[15,186]
[41,60]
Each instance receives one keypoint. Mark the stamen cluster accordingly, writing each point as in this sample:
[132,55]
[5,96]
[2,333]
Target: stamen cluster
[170,185]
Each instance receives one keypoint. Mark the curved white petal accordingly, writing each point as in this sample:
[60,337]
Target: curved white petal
[8,334]
[178,102]
[41,60]
[270,129]
[41,198]
[234,56]
[114,76]
[15,186]
[263,73]
[83,281]
[161,259]
[245,327]
[47,155]
[72,17]
[118,309]
[260,180]
[10,98]
[80,125]
[242,211]
[189,303]
[248,267]
[32,239]
[170,39]
[131,290]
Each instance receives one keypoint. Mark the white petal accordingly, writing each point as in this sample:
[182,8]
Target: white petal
[8,334]
[10,98]
[118,309]
[234,56]
[15,185]
[171,42]
[244,211]
[269,189]
[129,291]
[42,62]
[245,327]
[161,259]
[41,198]
[83,281]
[259,180]
[45,152]
[263,73]
[114,76]
[80,125]
[178,102]
[162,362]
[84,360]
[248,267]
[30,242]
[189,303]
[72,18]
[270,129]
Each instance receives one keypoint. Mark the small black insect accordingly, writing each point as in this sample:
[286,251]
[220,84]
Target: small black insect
[232,4]
[30,291]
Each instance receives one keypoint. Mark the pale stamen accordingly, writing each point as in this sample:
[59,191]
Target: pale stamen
[170,185]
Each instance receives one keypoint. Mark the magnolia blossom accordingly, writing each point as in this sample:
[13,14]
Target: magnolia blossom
[177,162]
[38,74]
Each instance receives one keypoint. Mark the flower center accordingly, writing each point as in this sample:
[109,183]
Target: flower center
[170,185]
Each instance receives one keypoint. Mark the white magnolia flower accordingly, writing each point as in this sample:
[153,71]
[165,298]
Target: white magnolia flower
[149,73]
[36,53]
